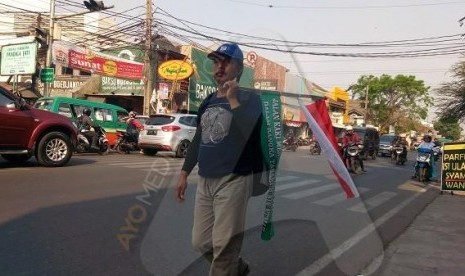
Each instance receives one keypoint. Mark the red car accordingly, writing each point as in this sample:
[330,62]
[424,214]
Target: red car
[26,131]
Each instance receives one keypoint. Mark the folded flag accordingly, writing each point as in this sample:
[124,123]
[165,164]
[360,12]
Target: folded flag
[319,121]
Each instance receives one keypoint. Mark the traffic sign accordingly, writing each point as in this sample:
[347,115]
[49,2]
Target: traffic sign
[47,75]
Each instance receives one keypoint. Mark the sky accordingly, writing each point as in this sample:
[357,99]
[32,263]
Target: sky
[328,21]
[335,21]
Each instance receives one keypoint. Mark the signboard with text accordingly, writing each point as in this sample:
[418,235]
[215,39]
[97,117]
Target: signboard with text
[453,167]
[18,59]
[98,63]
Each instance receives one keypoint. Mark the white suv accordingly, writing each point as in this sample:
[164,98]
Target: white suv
[168,132]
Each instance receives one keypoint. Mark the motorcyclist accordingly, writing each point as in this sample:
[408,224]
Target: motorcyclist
[134,126]
[351,138]
[427,143]
[401,141]
[85,123]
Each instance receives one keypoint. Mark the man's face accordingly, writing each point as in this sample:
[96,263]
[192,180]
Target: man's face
[350,132]
[225,69]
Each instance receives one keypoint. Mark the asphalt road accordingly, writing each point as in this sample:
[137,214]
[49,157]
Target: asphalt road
[116,215]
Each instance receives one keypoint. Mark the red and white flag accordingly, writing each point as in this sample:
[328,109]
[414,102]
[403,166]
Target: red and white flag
[319,121]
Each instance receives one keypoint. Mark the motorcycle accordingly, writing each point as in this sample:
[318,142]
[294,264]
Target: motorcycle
[303,141]
[290,144]
[315,148]
[126,143]
[353,156]
[437,152]
[83,144]
[423,164]
[399,155]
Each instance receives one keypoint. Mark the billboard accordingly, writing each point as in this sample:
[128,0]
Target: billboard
[98,63]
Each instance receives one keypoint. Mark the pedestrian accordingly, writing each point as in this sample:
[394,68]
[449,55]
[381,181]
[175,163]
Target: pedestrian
[226,147]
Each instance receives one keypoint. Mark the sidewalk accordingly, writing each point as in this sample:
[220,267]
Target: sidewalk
[434,244]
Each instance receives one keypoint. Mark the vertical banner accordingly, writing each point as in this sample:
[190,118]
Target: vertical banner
[453,167]
[271,139]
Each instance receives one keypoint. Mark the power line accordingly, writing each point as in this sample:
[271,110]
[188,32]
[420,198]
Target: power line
[344,7]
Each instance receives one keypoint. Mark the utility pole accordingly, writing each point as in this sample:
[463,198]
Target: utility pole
[148,83]
[92,6]
[366,103]
[48,60]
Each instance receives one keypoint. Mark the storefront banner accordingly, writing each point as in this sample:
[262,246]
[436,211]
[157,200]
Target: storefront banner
[110,85]
[71,56]
[453,167]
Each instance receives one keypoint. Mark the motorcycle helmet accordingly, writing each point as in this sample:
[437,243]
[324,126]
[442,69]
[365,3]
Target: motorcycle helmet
[86,111]
[132,114]
[349,130]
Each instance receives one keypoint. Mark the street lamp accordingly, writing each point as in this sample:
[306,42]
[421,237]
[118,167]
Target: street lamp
[92,6]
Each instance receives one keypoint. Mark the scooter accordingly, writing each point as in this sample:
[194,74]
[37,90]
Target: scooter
[290,144]
[423,164]
[83,144]
[399,155]
[126,143]
[315,148]
[353,156]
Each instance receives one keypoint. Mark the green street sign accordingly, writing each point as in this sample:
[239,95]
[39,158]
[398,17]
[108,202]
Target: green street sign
[47,75]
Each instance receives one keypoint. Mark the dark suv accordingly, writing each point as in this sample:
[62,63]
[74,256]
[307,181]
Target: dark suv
[26,131]
[385,144]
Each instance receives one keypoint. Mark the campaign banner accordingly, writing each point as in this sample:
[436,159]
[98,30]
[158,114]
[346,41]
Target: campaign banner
[453,167]
[80,58]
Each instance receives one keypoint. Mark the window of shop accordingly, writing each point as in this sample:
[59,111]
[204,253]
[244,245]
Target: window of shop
[66,70]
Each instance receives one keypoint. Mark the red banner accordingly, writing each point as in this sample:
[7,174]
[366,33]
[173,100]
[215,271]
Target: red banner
[97,63]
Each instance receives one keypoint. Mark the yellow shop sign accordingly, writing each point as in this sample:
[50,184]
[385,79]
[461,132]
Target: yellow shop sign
[175,70]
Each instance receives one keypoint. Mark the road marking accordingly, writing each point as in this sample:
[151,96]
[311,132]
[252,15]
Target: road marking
[337,198]
[285,178]
[312,191]
[317,266]
[281,187]
[373,202]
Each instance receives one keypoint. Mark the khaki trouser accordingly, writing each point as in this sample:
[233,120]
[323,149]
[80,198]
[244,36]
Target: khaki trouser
[219,219]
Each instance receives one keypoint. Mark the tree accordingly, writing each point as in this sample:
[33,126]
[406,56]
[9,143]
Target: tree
[448,127]
[452,94]
[391,100]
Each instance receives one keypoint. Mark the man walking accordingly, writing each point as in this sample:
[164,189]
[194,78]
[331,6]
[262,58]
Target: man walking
[227,149]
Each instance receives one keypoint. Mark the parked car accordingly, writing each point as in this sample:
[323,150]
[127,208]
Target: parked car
[105,115]
[385,144]
[168,132]
[27,131]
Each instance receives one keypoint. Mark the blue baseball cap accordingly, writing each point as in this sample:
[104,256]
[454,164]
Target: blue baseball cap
[229,50]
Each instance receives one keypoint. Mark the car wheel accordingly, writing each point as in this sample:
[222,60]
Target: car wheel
[181,151]
[54,150]
[16,158]
[149,152]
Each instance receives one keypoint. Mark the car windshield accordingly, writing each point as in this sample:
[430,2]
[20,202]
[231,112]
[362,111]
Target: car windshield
[160,120]
[44,104]
[386,138]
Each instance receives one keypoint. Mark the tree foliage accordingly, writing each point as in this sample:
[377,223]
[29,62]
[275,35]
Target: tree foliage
[392,99]
[448,127]
[451,95]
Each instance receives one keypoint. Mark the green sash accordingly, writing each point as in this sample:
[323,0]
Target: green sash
[271,140]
